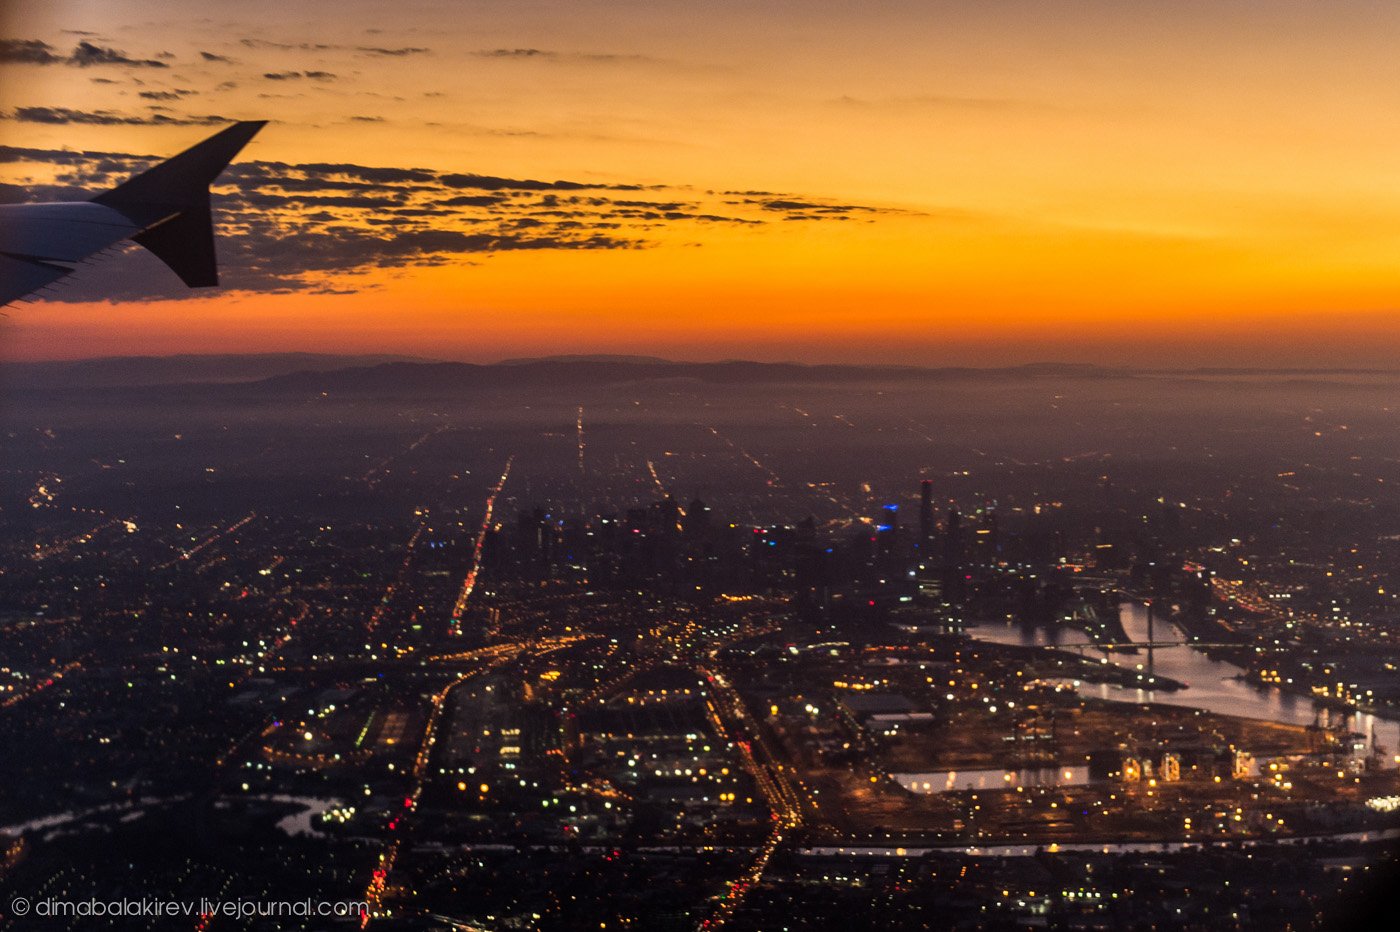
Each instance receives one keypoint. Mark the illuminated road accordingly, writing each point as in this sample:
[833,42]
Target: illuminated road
[271,652]
[15,699]
[455,627]
[581,470]
[374,894]
[43,552]
[1247,597]
[486,658]
[378,614]
[212,539]
[772,477]
[729,718]
[378,471]
[661,487]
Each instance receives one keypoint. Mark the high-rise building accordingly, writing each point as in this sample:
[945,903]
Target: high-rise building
[952,558]
[697,519]
[925,515]
[888,529]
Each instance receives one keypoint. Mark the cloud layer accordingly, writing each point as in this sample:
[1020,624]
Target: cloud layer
[85,54]
[318,226]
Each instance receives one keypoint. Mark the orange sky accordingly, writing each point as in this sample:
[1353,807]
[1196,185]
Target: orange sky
[1117,182]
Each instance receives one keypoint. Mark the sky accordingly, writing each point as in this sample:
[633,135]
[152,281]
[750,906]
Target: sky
[992,183]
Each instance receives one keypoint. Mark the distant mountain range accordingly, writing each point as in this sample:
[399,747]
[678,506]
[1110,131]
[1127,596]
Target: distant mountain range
[386,375]
[167,370]
[451,378]
[585,357]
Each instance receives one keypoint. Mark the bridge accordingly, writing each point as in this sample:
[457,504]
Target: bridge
[1143,645]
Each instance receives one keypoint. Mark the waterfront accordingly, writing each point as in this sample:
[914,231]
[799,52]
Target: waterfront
[1211,684]
[1121,847]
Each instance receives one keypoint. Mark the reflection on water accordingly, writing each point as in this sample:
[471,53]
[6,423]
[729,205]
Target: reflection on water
[65,818]
[946,781]
[299,823]
[1122,847]
[1211,684]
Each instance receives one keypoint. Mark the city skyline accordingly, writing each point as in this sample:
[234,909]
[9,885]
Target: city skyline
[611,644]
[524,465]
[908,183]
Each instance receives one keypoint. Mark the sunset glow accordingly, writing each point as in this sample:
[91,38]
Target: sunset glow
[1188,184]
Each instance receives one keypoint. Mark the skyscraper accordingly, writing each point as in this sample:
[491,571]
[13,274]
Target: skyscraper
[952,558]
[888,530]
[925,515]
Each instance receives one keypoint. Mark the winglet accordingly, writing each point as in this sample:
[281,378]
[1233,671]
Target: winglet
[171,203]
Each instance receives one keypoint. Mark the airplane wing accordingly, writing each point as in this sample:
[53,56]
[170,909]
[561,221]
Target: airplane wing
[165,209]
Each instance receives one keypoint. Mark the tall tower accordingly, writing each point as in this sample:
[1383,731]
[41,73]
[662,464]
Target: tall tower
[925,515]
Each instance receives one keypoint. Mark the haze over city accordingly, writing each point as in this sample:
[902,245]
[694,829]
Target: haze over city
[674,467]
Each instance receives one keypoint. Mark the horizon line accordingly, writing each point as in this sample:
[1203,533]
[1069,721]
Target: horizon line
[647,359]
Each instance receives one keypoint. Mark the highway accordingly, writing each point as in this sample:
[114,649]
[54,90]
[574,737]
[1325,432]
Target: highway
[731,721]
[378,614]
[469,584]
[374,894]
[15,698]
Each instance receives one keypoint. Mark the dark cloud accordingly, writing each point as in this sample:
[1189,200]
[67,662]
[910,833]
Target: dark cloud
[367,119]
[610,57]
[527,54]
[175,94]
[713,218]
[268,201]
[657,205]
[28,51]
[13,193]
[66,157]
[303,227]
[287,227]
[516,53]
[298,75]
[367,173]
[306,185]
[806,209]
[473,200]
[397,53]
[86,54]
[495,183]
[813,207]
[211,57]
[65,116]
[280,262]
[287,46]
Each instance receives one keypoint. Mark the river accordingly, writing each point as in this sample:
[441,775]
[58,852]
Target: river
[1210,684]
[1113,847]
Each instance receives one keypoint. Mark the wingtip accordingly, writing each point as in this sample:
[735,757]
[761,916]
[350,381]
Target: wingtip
[233,137]
[170,201]
[184,178]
